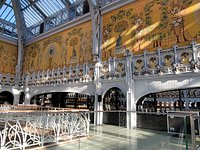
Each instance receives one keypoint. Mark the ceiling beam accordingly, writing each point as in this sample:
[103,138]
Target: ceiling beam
[20,22]
[38,9]
[7,23]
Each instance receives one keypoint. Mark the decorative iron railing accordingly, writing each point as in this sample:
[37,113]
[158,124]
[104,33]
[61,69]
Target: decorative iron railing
[161,62]
[22,129]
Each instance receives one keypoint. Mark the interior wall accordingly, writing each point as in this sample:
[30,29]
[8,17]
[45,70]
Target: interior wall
[8,57]
[150,24]
[71,46]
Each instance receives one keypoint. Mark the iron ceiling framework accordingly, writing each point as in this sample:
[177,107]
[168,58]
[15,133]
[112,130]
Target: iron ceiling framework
[40,15]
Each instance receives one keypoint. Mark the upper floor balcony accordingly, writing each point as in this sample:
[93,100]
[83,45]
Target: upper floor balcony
[177,60]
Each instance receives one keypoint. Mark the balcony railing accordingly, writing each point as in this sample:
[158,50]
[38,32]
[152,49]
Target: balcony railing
[21,129]
[161,62]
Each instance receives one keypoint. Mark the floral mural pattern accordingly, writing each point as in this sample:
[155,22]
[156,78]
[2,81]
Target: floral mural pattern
[63,49]
[149,25]
[8,58]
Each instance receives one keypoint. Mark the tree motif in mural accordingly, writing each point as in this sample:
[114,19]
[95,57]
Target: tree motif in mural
[32,57]
[137,19]
[73,42]
[12,64]
[159,34]
[85,46]
[107,35]
[177,20]
[119,28]
[33,54]
[4,59]
[163,8]
[39,59]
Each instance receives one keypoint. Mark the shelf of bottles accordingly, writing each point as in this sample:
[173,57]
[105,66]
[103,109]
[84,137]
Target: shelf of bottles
[80,101]
[177,100]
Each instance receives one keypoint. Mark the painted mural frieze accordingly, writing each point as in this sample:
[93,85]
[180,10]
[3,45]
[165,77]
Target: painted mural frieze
[55,39]
[50,55]
[121,15]
[8,58]
[177,20]
[73,43]
[148,25]
[33,59]
[69,47]
[119,28]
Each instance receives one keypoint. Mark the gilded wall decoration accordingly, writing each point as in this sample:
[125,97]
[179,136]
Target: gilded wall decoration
[139,65]
[71,46]
[185,58]
[33,58]
[168,60]
[150,25]
[50,55]
[153,62]
[8,57]
[73,43]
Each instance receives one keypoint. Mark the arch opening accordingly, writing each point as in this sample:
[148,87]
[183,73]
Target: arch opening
[114,99]
[6,98]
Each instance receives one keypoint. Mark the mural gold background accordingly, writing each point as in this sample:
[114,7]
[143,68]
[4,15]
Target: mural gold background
[71,46]
[8,57]
[149,24]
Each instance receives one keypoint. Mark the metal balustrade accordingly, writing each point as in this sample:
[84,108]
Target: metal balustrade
[28,128]
[162,62]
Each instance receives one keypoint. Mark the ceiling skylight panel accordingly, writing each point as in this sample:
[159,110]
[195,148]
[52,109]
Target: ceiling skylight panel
[35,14]
[72,1]
[79,8]
[24,4]
[61,4]
[9,15]
[54,6]
[5,13]
[2,10]
[55,3]
[12,19]
[8,2]
[39,12]
[31,18]
[28,19]
[43,8]
[28,24]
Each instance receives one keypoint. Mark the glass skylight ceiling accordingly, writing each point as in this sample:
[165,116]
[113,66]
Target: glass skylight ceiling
[7,20]
[41,15]
[36,11]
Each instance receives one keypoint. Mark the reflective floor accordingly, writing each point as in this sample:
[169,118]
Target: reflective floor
[109,137]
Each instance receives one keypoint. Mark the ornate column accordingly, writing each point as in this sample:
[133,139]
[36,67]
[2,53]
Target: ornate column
[159,57]
[96,27]
[98,104]
[194,51]
[145,59]
[130,98]
[175,54]
[21,29]
[194,62]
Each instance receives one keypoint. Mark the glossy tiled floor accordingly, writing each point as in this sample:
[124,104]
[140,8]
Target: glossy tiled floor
[109,137]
